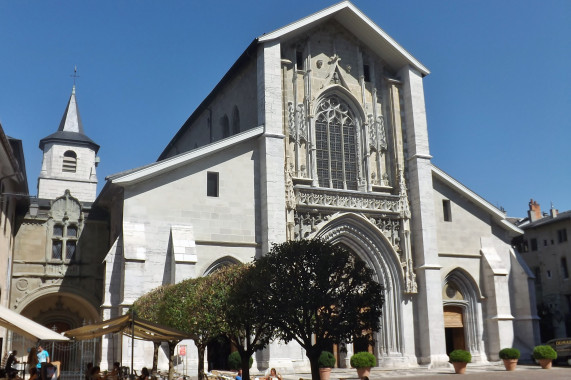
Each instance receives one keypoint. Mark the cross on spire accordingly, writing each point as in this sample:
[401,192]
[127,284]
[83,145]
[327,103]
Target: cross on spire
[74,75]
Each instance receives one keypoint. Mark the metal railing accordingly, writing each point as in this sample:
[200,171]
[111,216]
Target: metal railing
[72,356]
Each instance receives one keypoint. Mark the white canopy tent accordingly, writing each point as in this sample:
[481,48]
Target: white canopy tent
[26,327]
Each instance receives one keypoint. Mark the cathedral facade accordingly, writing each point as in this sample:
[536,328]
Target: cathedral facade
[319,130]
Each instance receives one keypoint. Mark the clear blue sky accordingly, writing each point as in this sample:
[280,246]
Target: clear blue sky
[498,97]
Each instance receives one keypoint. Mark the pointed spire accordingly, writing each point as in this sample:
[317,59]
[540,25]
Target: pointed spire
[70,128]
[71,122]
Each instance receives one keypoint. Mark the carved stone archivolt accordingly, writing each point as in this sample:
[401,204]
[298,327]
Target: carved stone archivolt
[315,207]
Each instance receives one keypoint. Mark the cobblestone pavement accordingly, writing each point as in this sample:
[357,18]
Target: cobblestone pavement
[482,372]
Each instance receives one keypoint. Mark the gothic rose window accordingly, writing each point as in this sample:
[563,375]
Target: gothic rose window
[336,144]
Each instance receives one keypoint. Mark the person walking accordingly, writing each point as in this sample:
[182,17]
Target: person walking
[43,356]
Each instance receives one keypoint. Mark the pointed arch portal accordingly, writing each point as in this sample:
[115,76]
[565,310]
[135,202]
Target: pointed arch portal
[370,245]
[461,305]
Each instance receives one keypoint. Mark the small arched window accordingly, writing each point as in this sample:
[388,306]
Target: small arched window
[336,143]
[69,162]
[235,121]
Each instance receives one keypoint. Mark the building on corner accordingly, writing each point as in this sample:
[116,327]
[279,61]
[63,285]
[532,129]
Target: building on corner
[546,249]
[14,199]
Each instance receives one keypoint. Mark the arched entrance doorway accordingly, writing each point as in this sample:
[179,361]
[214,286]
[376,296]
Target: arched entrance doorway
[365,240]
[61,311]
[462,313]
[219,348]
[217,352]
[454,328]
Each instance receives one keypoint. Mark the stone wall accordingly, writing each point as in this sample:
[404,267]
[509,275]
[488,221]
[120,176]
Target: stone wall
[53,181]
[235,97]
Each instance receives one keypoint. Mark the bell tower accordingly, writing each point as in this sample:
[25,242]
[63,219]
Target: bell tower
[70,159]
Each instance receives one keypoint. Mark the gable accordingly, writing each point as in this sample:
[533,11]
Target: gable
[360,26]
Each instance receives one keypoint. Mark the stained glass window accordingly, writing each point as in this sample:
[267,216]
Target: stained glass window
[336,144]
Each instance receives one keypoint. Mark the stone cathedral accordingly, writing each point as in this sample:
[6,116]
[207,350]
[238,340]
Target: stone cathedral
[319,130]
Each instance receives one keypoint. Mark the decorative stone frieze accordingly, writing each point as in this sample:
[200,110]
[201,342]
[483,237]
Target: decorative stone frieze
[310,197]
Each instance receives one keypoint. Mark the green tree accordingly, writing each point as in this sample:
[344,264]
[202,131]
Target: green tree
[317,294]
[196,306]
[149,307]
[248,330]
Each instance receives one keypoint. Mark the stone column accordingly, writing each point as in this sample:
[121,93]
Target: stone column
[272,149]
[429,310]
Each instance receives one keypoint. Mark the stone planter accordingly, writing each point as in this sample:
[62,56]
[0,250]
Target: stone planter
[324,373]
[510,364]
[460,367]
[545,363]
[363,371]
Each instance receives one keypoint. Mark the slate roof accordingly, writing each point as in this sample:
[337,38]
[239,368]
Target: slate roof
[547,220]
[70,128]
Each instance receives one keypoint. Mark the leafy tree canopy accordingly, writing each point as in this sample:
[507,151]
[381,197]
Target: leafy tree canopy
[317,294]
[248,329]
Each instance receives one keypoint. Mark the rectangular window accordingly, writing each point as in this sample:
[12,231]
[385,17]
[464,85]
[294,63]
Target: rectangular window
[56,249]
[212,184]
[58,230]
[562,235]
[548,273]
[545,243]
[533,244]
[72,231]
[367,73]
[447,210]
[564,269]
[70,249]
[299,59]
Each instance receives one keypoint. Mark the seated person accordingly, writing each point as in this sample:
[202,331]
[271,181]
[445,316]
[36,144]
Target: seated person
[239,375]
[88,372]
[95,373]
[115,372]
[145,374]
[273,375]
[11,372]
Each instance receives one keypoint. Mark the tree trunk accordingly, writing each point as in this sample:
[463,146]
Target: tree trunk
[171,360]
[201,349]
[313,356]
[245,357]
[156,346]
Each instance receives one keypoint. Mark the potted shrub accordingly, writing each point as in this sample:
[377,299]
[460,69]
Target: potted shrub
[460,359]
[363,361]
[510,357]
[326,362]
[544,354]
